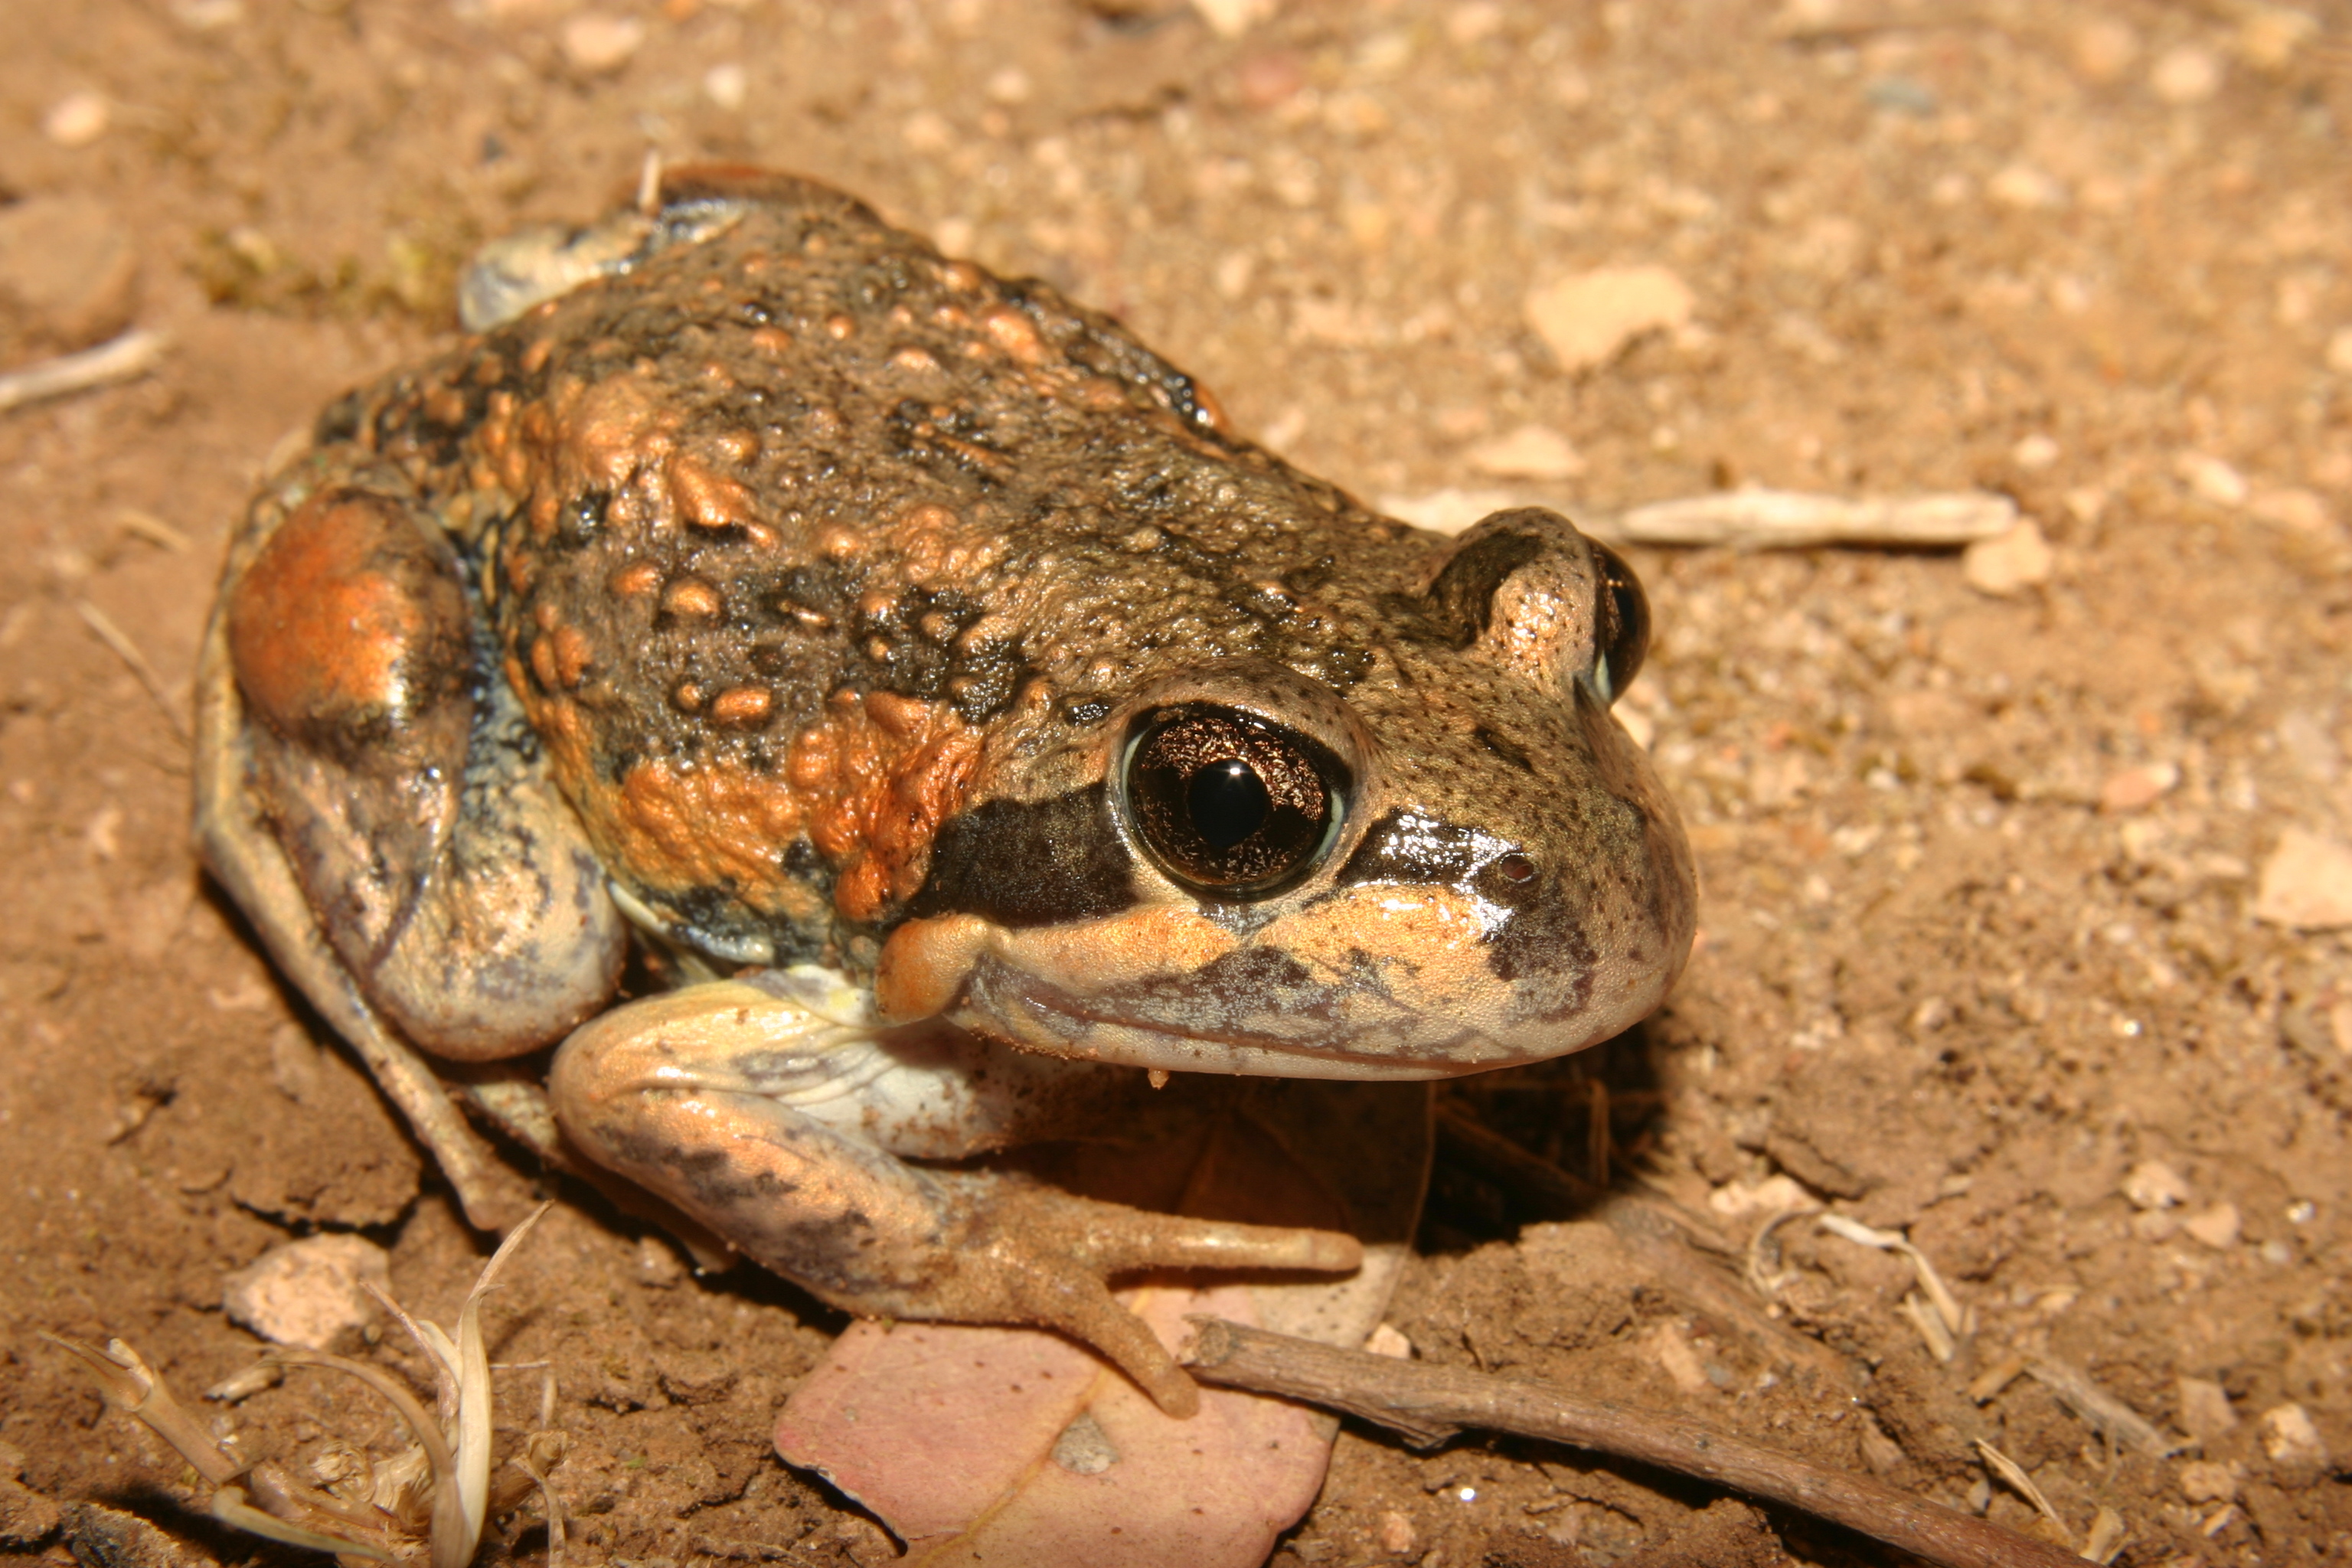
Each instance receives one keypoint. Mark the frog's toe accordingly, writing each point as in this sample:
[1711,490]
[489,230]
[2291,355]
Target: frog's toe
[1042,1257]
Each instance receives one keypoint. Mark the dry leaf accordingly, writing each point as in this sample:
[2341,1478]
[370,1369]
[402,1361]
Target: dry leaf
[1008,1445]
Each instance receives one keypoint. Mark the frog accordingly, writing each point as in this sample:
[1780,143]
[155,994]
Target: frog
[775,716]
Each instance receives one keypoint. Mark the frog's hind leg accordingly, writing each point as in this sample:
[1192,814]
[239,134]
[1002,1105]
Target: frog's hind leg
[376,808]
[767,1121]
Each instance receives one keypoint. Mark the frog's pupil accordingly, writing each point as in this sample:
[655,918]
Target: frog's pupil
[1228,803]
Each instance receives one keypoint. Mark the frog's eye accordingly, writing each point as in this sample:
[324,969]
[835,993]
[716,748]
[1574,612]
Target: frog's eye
[1228,801]
[1624,624]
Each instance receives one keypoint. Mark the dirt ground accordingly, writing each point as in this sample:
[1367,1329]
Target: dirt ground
[1979,962]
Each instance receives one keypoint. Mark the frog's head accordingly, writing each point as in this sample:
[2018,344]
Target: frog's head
[1461,862]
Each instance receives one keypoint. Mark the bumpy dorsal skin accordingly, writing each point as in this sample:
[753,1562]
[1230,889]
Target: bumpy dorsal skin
[922,666]
[833,575]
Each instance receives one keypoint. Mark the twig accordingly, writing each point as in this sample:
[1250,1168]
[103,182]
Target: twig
[125,358]
[1430,1404]
[1795,520]
[119,642]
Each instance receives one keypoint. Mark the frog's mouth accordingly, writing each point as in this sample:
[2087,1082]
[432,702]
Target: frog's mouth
[1258,1013]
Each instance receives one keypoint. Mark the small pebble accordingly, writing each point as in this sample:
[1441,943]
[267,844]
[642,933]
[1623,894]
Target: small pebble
[207,15]
[1266,79]
[2217,1228]
[595,43]
[728,85]
[2104,49]
[2211,480]
[2339,350]
[68,272]
[2010,563]
[927,131]
[2205,1411]
[2186,74]
[1396,1534]
[1529,452]
[1009,86]
[2201,1480]
[1232,18]
[2034,453]
[2153,1184]
[309,1292]
[2137,789]
[2291,506]
[1471,20]
[1671,1351]
[2306,883]
[2290,1438]
[2025,188]
[1588,319]
[1900,95]
[2270,36]
[1386,1341]
[76,120]
[657,1263]
[1776,1193]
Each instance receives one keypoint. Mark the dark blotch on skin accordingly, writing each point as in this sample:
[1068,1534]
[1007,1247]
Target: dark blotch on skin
[1543,935]
[1504,747]
[1030,863]
[1403,847]
[1229,991]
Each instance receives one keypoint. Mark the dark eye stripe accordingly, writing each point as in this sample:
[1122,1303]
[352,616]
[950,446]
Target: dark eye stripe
[1030,863]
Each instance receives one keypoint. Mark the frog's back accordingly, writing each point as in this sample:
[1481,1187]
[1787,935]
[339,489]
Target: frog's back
[794,533]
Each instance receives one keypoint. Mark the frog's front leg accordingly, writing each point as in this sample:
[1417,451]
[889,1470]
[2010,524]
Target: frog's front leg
[779,1128]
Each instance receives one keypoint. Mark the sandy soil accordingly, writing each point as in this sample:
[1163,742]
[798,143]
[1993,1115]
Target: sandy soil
[1980,958]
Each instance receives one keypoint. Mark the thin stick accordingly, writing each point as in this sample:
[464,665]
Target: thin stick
[125,358]
[119,642]
[1791,519]
[1430,1404]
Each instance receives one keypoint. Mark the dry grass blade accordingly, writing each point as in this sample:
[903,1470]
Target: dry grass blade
[119,643]
[473,1399]
[1950,1321]
[554,1507]
[451,1547]
[1924,1318]
[2108,1535]
[229,1506]
[146,525]
[1428,1403]
[2104,1414]
[133,1388]
[125,358]
[137,1390]
[2014,1475]
[1763,1266]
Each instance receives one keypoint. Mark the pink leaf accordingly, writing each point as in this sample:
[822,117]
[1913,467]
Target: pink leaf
[1016,1445]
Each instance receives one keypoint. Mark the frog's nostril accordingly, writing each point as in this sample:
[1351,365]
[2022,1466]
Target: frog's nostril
[1516,869]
